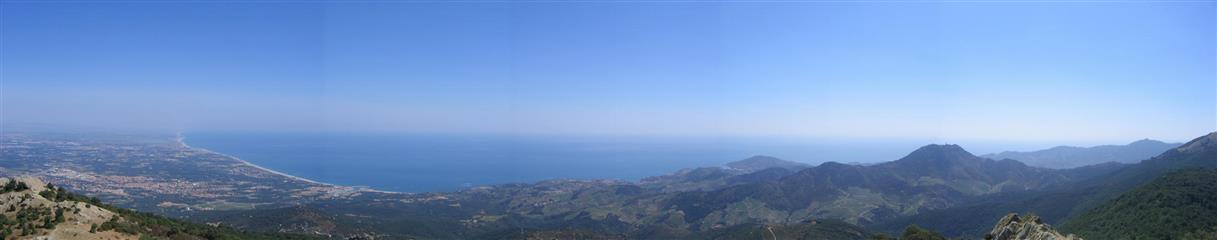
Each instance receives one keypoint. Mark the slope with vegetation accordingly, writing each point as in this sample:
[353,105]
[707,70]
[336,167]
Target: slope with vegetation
[815,229]
[753,169]
[1169,207]
[1057,204]
[932,177]
[913,232]
[34,210]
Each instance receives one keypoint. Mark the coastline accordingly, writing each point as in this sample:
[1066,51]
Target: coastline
[181,141]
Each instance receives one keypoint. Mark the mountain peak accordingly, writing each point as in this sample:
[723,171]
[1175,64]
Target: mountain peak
[951,147]
[941,150]
[1147,142]
[761,158]
[938,153]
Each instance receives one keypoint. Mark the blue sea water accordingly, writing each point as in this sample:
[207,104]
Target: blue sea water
[423,163]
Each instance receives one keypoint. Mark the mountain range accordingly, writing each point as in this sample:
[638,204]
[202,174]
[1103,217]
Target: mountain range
[932,177]
[933,190]
[1057,204]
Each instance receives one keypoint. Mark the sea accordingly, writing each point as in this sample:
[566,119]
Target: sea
[450,162]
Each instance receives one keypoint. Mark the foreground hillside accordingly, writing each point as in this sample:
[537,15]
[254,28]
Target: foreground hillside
[28,214]
[827,230]
[1015,227]
[1169,207]
[34,210]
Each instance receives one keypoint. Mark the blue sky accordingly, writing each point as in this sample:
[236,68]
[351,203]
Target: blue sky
[1093,70]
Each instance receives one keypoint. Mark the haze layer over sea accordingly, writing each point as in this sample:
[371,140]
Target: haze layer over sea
[433,162]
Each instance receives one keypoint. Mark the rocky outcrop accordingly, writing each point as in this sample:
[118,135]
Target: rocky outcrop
[1013,227]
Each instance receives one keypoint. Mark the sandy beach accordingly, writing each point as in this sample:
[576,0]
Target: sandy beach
[181,140]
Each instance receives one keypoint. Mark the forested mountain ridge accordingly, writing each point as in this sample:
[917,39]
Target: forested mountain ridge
[932,177]
[1169,207]
[1056,204]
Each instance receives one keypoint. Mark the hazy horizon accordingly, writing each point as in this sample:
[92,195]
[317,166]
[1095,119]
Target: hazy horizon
[1065,72]
[895,147]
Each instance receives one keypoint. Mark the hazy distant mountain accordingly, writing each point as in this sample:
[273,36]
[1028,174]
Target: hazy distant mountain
[758,163]
[1070,157]
[753,169]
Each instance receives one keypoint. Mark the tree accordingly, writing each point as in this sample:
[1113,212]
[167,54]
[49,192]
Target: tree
[59,215]
[1211,233]
[47,223]
[917,233]
[27,229]
[10,185]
